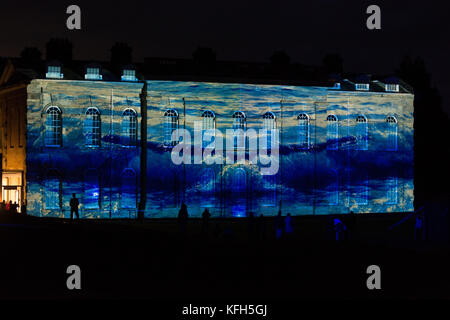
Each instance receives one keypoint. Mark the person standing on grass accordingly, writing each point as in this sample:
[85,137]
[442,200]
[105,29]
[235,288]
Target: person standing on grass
[183,217]
[74,203]
[418,228]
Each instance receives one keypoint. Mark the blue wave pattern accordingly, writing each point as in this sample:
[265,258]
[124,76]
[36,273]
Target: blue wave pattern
[312,180]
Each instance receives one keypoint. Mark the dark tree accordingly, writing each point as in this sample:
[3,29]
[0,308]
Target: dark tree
[31,54]
[280,58]
[203,55]
[431,125]
[121,54]
[333,63]
[59,49]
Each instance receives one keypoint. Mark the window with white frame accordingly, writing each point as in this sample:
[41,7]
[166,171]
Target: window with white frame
[269,124]
[362,86]
[361,133]
[239,124]
[53,127]
[170,126]
[392,128]
[129,75]
[208,127]
[54,72]
[92,127]
[332,132]
[129,128]
[93,74]
[303,130]
[392,87]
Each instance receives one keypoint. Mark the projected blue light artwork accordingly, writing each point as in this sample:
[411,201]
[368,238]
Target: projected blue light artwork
[339,151]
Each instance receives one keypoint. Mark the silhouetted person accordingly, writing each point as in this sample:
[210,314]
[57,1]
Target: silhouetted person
[339,228]
[74,203]
[288,230]
[13,208]
[183,217]
[9,205]
[3,206]
[279,225]
[418,228]
[205,220]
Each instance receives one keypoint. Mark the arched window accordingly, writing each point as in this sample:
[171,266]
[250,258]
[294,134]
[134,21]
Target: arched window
[91,189]
[269,124]
[391,190]
[53,127]
[92,127]
[239,123]
[170,125]
[208,126]
[239,180]
[303,130]
[391,123]
[128,191]
[333,188]
[129,128]
[52,193]
[361,133]
[332,132]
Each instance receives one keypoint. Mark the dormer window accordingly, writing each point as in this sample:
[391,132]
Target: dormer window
[362,86]
[129,75]
[54,72]
[93,74]
[391,87]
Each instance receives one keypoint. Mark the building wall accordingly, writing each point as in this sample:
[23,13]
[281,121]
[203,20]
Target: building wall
[315,180]
[312,181]
[13,142]
[77,166]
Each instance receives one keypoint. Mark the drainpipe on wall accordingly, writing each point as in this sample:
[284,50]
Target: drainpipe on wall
[143,158]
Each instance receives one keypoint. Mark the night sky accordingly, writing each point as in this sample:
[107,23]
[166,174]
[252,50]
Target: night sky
[240,30]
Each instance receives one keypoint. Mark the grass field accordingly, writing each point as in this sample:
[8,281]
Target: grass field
[232,260]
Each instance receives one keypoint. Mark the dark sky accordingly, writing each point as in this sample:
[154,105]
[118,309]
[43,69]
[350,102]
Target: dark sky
[242,30]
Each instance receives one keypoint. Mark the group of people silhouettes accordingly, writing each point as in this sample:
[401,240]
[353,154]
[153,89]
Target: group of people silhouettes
[11,207]
[256,226]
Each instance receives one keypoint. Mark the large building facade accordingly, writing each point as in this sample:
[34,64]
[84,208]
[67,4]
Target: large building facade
[343,148]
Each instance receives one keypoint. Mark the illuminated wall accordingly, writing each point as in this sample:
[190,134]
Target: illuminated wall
[340,150]
[103,175]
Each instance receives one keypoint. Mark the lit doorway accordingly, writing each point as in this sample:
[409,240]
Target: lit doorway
[12,188]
